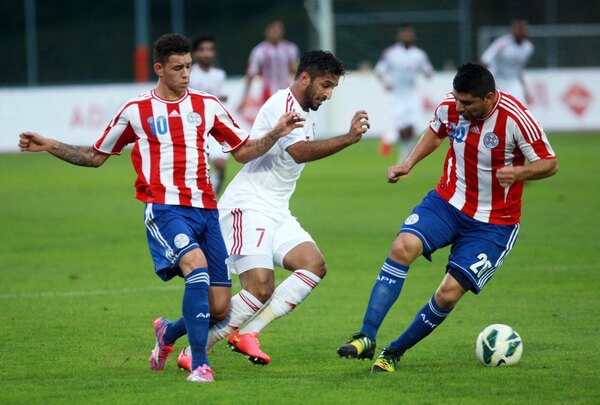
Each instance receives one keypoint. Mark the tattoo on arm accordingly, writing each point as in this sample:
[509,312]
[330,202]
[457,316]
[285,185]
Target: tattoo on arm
[77,155]
[260,145]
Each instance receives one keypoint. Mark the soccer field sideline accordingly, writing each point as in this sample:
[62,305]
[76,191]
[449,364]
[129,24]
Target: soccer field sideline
[82,296]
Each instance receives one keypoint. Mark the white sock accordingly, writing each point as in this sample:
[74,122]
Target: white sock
[406,148]
[289,294]
[243,306]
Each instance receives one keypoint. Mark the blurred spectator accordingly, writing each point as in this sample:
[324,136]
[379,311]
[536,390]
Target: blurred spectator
[397,69]
[506,58]
[210,79]
[274,60]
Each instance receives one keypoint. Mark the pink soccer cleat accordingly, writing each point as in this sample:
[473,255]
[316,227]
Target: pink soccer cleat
[161,351]
[201,374]
[249,346]
[184,360]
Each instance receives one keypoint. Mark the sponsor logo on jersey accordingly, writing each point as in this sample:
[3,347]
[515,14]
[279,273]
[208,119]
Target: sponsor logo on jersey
[194,118]
[203,315]
[474,129]
[490,140]
[412,219]
[181,240]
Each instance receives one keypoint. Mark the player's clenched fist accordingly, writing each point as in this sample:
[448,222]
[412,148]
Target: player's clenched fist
[359,125]
[506,175]
[395,172]
[33,142]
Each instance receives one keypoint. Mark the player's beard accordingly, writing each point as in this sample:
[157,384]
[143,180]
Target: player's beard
[309,99]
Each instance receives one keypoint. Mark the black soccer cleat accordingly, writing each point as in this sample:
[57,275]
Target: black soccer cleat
[358,347]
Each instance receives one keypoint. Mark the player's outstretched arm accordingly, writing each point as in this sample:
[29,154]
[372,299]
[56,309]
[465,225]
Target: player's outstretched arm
[77,155]
[303,152]
[540,169]
[428,143]
[257,147]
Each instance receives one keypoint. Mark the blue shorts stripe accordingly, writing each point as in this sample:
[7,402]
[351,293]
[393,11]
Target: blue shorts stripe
[478,249]
[153,228]
[509,245]
[174,230]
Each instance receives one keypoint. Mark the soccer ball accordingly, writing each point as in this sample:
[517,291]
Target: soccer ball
[498,345]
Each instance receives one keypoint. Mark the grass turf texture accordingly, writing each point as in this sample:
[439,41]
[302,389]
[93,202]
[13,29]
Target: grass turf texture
[79,295]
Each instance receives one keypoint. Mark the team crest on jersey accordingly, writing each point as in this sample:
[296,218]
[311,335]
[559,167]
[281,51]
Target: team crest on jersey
[194,118]
[412,219]
[181,240]
[490,140]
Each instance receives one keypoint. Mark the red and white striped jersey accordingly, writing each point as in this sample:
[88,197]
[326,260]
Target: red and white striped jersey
[169,136]
[274,63]
[478,148]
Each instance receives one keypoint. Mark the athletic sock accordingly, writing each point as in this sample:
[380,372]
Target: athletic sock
[406,148]
[385,292]
[426,320]
[243,306]
[196,313]
[174,331]
[287,296]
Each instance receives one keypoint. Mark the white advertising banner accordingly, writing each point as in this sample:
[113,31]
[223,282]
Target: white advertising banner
[563,100]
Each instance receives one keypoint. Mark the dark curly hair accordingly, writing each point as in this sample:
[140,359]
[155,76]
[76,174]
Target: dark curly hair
[170,44]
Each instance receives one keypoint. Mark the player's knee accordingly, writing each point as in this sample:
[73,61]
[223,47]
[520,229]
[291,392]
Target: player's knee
[446,297]
[317,266]
[218,314]
[406,248]
[262,291]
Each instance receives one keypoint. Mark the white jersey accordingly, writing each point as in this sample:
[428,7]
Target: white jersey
[267,183]
[401,66]
[506,59]
[210,81]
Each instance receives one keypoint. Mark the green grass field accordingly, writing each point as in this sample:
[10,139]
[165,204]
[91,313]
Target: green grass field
[78,294]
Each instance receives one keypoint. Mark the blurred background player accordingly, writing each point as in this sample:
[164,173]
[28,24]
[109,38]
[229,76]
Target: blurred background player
[274,60]
[507,57]
[210,79]
[475,207]
[397,69]
[256,221]
[181,214]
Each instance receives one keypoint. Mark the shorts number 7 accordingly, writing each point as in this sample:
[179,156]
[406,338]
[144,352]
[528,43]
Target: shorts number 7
[262,234]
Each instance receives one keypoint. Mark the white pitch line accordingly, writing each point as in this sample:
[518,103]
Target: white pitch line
[86,293]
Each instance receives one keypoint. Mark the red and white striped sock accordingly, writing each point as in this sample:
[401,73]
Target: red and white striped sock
[289,294]
[243,306]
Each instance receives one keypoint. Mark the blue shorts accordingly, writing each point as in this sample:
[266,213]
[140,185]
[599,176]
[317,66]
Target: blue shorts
[174,230]
[478,248]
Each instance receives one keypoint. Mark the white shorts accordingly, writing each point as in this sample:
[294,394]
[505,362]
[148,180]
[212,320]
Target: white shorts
[215,150]
[404,112]
[254,239]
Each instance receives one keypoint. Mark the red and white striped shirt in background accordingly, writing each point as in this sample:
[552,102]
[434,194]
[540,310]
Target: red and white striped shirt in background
[274,63]
[169,154]
[478,148]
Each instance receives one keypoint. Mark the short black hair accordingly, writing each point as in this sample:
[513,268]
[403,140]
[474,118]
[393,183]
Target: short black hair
[318,63]
[170,44]
[200,39]
[474,79]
